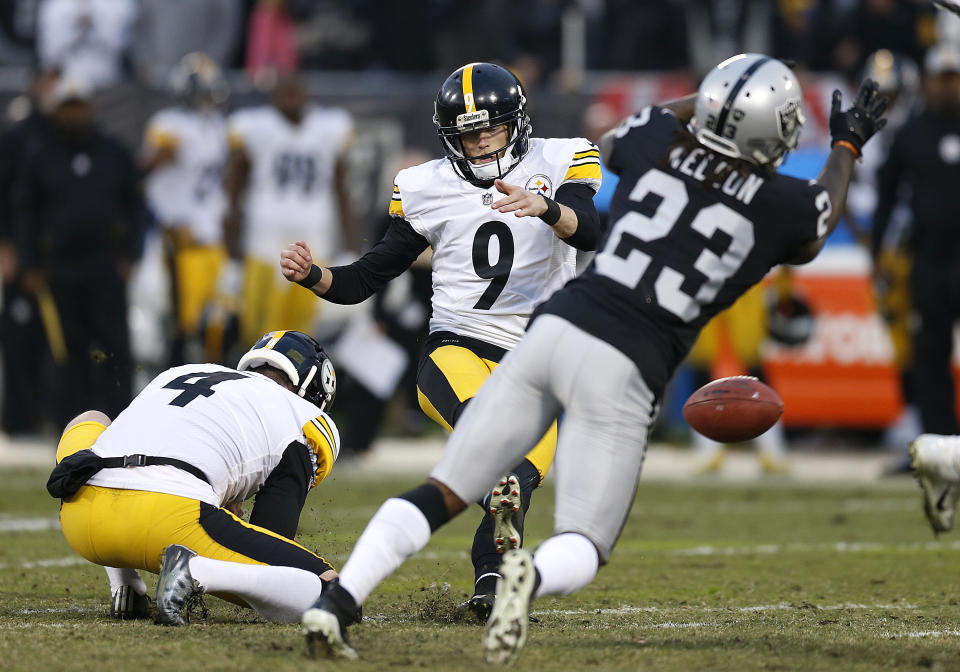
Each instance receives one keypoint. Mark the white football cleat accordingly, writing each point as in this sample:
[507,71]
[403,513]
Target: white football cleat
[935,461]
[507,628]
[506,507]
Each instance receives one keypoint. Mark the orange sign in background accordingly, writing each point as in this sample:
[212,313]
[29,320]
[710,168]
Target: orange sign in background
[845,375]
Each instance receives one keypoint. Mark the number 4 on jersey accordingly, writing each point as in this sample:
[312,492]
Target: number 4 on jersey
[199,384]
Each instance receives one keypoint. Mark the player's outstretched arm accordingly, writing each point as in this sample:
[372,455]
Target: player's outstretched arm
[850,129]
[682,108]
[353,283]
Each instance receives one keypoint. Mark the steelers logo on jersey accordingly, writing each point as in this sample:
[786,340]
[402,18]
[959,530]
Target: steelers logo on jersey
[540,184]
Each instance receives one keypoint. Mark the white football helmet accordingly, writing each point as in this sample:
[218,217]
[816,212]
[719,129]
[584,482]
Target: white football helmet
[749,107]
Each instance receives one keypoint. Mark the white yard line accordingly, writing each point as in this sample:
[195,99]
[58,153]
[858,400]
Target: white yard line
[783,606]
[835,547]
[28,524]
[60,610]
[930,633]
[68,561]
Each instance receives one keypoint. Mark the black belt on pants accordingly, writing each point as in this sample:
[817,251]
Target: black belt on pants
[75,470]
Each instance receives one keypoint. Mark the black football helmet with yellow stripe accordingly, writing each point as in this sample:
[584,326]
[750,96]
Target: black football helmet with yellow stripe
[303,361]
[475,97]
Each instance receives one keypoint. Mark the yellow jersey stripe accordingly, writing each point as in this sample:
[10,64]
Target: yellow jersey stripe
[162,139]
[396,208]
[587,152]
[234,140]
[396,189]
[468,88]
[589,171]
[321,446]
[323,422]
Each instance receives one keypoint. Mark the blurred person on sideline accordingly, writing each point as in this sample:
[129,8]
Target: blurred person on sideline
[18,32]
[87,40]
[700,215]
[22,338]
[79,230]
[899,80]
[165,32]
[184,155]
[505,215]
[286,180]
[161,487]
[925,155]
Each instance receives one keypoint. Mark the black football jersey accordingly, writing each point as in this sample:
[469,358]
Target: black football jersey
[679,250]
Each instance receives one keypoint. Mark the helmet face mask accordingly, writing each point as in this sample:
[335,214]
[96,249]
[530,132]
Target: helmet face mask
[475,97]
[301,359]
[750,107]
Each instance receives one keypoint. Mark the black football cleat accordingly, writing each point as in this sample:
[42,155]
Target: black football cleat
[325,623]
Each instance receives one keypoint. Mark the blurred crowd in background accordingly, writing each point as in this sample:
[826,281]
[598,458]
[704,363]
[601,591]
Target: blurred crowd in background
[112,40]
[158,153]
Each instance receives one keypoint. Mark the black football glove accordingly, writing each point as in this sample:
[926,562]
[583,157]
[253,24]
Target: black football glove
[858,123]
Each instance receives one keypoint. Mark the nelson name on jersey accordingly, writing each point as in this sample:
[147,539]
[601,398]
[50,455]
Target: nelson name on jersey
[700,164]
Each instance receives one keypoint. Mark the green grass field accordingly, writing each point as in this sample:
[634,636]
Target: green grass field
[771,576]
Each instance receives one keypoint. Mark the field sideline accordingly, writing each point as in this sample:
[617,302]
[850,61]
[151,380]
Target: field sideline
[765,575]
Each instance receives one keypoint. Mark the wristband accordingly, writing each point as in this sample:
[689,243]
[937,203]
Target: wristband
[846,144]
[313,277]
[552,215]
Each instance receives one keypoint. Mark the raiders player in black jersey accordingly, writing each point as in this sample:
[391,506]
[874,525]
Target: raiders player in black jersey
[699,216]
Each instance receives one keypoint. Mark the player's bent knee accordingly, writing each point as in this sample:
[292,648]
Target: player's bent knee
[89,416]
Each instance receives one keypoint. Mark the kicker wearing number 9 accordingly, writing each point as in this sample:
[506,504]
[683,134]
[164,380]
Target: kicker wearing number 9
[504,214]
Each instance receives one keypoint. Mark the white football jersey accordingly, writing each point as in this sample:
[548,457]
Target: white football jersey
[291,190]
[491,269]
[232,425]
[188,191]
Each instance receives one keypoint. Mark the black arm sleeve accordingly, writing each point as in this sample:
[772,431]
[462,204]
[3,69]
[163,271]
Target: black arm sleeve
[391,256]
[280,500]
[579,198]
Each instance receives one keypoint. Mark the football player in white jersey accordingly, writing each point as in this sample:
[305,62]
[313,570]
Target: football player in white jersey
[185,150]
[505,215]
[160,487]
[286,180]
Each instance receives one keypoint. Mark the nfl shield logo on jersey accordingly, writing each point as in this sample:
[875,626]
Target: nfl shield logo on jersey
[540,184]
[487,199]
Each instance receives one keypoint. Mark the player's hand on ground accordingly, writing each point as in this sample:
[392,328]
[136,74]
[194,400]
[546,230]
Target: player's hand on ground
[518,200]
[862,120]
[296,261]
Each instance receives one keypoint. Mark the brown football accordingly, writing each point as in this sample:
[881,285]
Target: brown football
[733,409]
